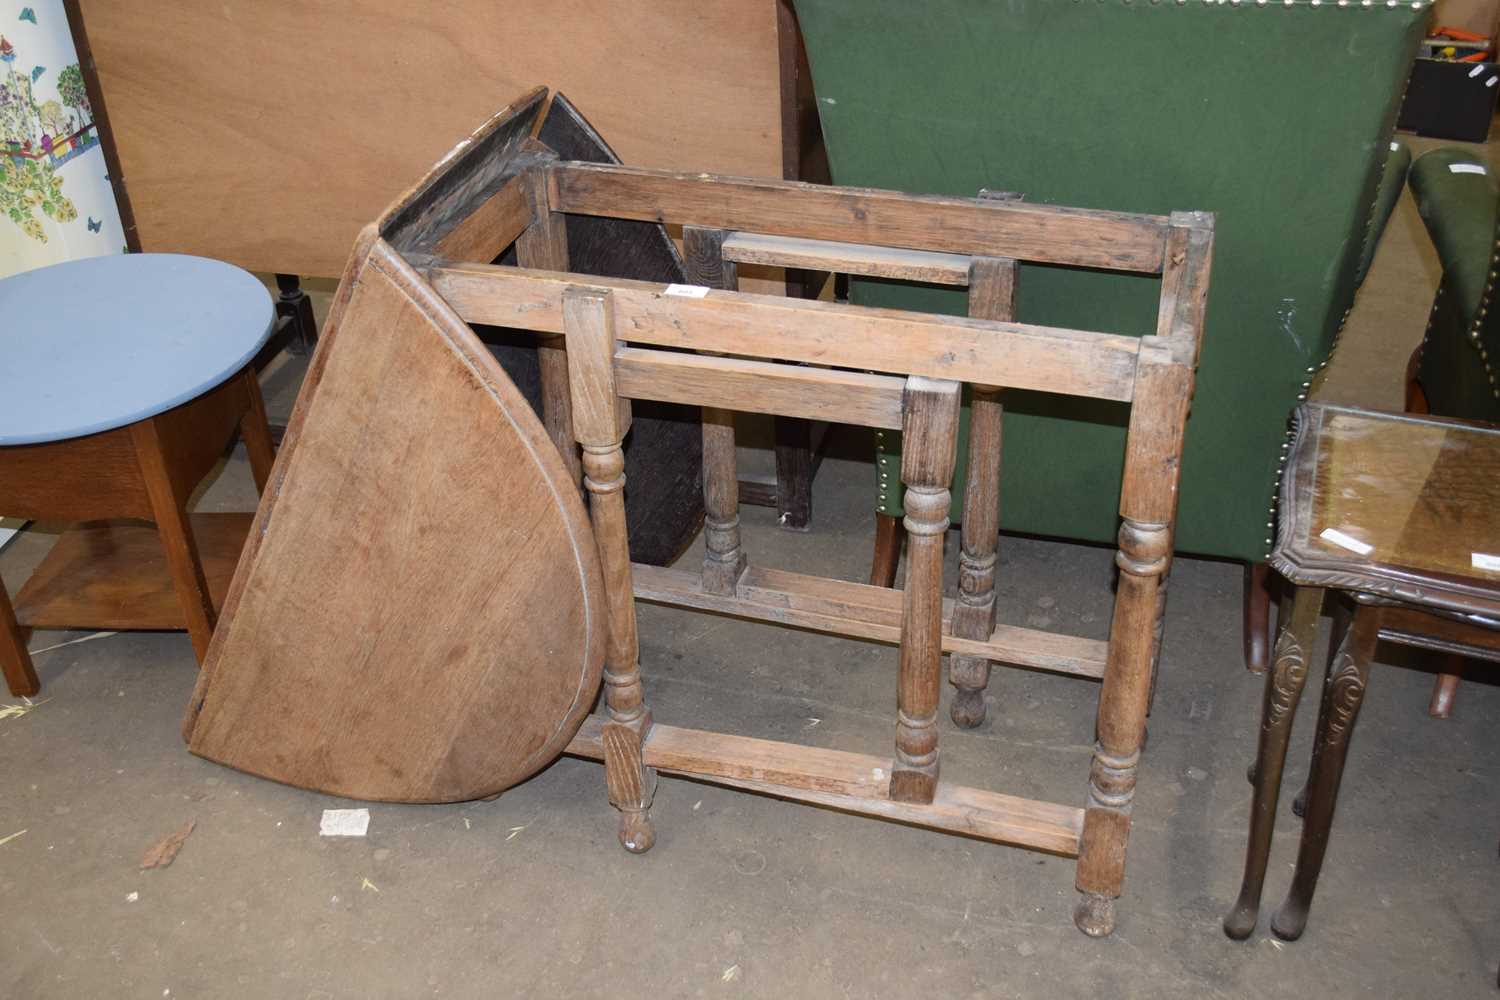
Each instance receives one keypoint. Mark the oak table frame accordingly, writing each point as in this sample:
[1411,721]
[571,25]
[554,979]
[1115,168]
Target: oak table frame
[1383,594]
[605,342]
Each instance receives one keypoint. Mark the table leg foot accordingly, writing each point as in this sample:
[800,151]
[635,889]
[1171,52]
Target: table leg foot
[1095,914]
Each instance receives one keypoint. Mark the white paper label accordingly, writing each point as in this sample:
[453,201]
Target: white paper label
[1483,560]
[1344,541]
[688,291]
[1466,168]
[1475,72]
[344,822]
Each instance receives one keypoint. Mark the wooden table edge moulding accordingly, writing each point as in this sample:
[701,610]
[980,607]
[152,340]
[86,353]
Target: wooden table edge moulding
[606,342]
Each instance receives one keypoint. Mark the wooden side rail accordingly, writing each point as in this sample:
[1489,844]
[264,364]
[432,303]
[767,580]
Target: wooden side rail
[860,611]
[1048,234]
[848,258]
[1009,355]
[760,387]
[852,782]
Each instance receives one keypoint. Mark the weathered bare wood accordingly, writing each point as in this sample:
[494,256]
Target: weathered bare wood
[1045,233]
[1148,503]
[1011,355]
[601,427]
[861,611]
[992,295]
[544,245]
[723,557]
[493,225]
[847,781]
[377,656]
[761,387]
[848,258]
[929,450]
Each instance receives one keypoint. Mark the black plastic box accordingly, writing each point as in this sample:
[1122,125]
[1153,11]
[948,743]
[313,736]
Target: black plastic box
[1450,100]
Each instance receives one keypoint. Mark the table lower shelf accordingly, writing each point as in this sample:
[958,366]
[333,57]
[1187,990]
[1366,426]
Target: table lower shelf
[852,782]
[113,575]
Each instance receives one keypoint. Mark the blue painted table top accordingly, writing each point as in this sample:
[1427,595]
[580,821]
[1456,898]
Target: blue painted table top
[90,345]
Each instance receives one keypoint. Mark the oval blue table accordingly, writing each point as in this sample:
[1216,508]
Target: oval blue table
[123,379]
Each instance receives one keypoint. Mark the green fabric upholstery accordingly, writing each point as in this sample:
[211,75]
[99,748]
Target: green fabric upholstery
[1392,181]
[1461,349]
[1276,118]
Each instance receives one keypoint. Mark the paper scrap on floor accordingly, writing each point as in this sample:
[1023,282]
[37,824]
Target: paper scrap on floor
[344,822]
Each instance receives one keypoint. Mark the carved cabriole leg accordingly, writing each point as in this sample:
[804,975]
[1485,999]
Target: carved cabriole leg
[601,420]
[1148,500]
[930,445]
[992,288]
[544,245]
[1343,693]
[1284,682]
[1341,615]
[724,558]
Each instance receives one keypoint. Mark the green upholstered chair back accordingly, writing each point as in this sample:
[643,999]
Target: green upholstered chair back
[1277,117]
[1459,200]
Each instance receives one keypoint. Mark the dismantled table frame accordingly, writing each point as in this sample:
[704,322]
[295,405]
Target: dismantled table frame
[608,341]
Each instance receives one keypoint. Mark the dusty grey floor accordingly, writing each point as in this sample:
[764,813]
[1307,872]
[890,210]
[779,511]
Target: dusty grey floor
[529,895]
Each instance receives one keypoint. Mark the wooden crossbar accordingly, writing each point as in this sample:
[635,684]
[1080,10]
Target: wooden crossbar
[859,611]
[849,781]
[1012,355]
[1046,233]
[760,387]
[848,258]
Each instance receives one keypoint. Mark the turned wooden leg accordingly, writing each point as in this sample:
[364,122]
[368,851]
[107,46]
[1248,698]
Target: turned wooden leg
[974,609]
[1343,693]
[1148,500]
[887,554]
[1257,616]
[15,661]
[1445,688]
[723,557]
[293,303]
[601,421]
[930,426]
[255,431]
[1284,682]
[176,536]
[992,284]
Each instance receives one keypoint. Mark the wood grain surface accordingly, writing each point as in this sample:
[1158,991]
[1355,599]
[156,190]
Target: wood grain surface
[267,134]
[419,613]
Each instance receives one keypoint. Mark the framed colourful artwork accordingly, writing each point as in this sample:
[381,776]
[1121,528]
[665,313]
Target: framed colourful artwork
[56,200]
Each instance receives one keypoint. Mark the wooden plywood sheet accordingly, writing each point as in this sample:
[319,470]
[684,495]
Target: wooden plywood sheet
[418,615]
[268,133]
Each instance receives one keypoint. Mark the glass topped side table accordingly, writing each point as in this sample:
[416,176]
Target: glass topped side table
[1399,516]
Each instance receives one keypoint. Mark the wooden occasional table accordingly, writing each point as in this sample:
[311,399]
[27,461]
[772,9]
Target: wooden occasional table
[1399,516]
[124,378]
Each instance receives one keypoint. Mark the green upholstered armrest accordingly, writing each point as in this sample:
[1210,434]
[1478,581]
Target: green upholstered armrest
[1277,117]
[1459,201]
[1392,180]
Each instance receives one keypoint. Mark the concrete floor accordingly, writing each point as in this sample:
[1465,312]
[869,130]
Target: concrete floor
[743,895]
